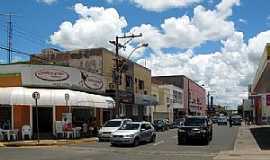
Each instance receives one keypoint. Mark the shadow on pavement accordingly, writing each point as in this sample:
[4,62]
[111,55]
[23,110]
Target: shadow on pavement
[261,135]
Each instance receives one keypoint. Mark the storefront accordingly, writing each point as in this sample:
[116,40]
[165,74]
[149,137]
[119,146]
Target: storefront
[19,107]
[145,107]
[62,90]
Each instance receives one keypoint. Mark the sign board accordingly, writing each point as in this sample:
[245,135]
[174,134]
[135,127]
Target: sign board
[51,76]
[36,95]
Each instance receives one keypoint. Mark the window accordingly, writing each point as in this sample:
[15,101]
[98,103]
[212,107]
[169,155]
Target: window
[143,127]
[129,81]
[141,84]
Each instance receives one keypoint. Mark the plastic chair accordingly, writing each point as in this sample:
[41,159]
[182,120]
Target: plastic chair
[26,131]
[14,134]
[59,128]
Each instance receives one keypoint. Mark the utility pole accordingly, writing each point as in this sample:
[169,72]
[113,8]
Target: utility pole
[9,40]
[117,72]
[9,35]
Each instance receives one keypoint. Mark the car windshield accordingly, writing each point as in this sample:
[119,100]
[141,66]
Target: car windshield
[194,122]
[112,124]
[130,126]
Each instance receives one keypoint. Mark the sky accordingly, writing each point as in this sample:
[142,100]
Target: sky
[217,43]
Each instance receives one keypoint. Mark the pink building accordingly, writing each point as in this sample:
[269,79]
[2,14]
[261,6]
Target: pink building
[195,101]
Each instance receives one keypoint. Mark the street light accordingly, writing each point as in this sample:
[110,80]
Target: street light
[36,96]
[130,54]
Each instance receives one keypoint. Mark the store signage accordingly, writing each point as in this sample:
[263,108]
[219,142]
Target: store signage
[91,82]
[268,100]
[52,75]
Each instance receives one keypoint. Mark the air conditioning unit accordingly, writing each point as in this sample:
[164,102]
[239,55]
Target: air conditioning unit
[111,86]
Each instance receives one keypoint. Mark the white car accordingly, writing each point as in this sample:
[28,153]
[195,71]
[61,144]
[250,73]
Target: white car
[222,120]
[134,133]
[105,132]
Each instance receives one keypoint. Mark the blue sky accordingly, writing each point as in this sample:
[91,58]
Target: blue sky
[179,43]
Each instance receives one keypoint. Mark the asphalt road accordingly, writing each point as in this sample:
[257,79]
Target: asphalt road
[165,148]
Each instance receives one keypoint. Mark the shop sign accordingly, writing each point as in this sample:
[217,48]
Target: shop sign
[51,75]
[91,82]
[268,100]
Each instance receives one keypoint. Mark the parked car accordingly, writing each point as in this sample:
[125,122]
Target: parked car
[195,127]
[159,125]
[236,120]
[222,120]
[105,132]
[134,133]
[178,123]
[214,119]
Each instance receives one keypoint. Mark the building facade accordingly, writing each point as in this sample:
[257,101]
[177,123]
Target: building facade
[134,86]
[61,90]
[260,90]
[194,100]
[170,99]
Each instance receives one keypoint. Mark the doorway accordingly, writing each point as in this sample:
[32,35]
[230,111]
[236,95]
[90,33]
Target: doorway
[45,121]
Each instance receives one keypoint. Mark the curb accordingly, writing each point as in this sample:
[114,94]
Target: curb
[47,142]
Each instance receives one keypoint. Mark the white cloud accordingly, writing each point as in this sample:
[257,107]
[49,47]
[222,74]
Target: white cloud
[95,28]
[227,71]
[190,32]
[47,1]
[161,5]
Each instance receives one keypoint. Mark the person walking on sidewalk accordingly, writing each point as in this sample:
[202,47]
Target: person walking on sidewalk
[230,121]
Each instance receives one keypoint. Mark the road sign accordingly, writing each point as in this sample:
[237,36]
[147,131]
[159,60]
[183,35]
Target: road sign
[66,96]
[36,95]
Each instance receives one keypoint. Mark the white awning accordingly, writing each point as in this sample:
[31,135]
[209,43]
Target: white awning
[53,97]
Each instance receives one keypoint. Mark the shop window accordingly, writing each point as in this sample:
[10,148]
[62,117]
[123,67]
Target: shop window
[141,84]
[5,117]
[135,110]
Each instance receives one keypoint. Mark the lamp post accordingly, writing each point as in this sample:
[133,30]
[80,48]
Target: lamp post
[36,96]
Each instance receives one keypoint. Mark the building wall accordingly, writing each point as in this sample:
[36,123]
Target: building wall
[196,91]
[142,74]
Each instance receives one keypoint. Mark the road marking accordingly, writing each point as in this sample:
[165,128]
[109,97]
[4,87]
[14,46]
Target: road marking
[157,143]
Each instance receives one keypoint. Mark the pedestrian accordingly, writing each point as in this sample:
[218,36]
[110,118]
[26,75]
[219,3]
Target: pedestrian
[230,121]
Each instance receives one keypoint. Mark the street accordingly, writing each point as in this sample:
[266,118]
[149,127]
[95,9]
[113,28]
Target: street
[165,148]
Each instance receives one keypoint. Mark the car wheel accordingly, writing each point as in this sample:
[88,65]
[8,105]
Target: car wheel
[153,138]
[206,141]
[136,142]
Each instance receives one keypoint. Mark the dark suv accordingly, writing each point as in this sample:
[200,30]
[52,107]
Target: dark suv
[195,127]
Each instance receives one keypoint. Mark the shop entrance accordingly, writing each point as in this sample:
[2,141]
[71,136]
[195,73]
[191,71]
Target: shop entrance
[45,121]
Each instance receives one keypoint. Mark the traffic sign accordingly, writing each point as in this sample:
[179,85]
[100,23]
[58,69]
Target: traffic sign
[36,95]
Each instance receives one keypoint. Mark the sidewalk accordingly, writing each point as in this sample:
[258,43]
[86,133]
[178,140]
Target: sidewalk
[47,142]
[245,147]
